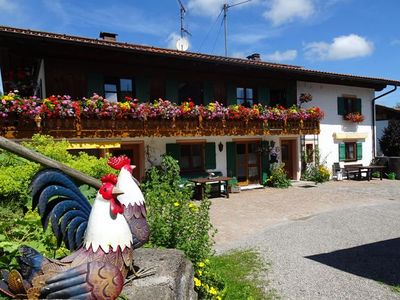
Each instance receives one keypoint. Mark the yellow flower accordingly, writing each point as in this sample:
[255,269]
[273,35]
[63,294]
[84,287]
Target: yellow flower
[176,204]
[207,261]
[219,298]
[200,272]
[197,282]
[213,291]
[201,264]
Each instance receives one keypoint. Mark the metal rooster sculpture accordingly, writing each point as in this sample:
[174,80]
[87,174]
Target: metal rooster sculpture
[103,237]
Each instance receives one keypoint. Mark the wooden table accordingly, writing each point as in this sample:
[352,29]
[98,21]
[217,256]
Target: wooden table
[221,180]
[370,170]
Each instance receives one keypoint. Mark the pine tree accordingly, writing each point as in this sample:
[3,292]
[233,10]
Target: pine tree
[390,141]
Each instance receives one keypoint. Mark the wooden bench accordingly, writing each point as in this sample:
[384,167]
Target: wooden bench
[352,170]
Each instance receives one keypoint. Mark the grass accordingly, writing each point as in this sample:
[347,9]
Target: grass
[241,272]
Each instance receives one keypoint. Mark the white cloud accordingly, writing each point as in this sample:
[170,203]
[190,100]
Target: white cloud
[395,42]
[7,6]
[282,11]
[212,7]
[342,47]
[279,56]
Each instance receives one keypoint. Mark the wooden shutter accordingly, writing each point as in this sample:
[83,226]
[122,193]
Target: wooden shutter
[263,94]
[264,163]
[95,84]
[208,92]
[142,85]
[231,159]
[340,105]
[342,152]
[358,105]
[359,151]
[231,94]
[210,160]
[171,90]
[173,150]
[291,95]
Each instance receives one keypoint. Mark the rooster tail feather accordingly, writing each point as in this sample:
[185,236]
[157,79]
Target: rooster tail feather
[30,262]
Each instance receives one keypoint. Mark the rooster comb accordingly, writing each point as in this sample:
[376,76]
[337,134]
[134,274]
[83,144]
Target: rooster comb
[111,178]
[118,162]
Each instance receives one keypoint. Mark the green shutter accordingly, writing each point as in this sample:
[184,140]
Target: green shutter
[340,105]
[264,163]
[342,152]
[208,92]
[171,90]
[210,160]
[263,95]
[230,94]
[291,95]
[173,150]
[358,105]
[359,151]
[231,159]
[142,89]
[95,84]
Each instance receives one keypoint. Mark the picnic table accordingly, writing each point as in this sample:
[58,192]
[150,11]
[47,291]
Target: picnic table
[358,170]
[221,180]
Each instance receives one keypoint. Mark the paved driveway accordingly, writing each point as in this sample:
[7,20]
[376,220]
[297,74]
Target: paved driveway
[339,240]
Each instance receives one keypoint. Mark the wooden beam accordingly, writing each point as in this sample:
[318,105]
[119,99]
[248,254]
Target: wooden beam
[48,162]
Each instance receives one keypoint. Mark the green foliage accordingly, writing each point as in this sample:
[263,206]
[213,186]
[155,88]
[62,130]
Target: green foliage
[176,222]
[278,177]
[318,171]
[391,176]
[17,231]
[375,174]
[390,141]
[241,271]
[18,227]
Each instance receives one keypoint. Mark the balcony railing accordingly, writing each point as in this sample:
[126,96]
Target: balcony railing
[110,128]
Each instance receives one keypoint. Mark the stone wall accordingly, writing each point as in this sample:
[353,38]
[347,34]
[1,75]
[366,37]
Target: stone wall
[173,278]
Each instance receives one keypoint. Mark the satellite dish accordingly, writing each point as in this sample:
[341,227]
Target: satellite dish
[182,44]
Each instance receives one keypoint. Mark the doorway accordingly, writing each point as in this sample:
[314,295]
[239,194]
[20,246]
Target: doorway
[136,154]
[247,162]
[288,155]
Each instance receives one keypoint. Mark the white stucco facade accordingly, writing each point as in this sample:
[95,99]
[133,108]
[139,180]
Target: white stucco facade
[333,128]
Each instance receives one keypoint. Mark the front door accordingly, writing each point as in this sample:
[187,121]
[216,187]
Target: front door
[133,151]
[288,155]
[247,163]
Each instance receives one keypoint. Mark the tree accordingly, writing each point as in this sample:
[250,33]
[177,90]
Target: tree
[390,141]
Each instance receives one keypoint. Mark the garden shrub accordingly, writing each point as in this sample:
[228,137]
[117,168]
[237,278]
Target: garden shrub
[176,222]
[278,177]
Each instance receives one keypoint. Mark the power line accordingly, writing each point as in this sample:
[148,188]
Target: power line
[209,31]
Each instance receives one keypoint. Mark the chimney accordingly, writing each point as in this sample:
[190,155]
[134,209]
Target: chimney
[254,56]
[108,36]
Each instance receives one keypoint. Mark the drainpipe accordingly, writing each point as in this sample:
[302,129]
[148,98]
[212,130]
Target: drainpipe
[374,116]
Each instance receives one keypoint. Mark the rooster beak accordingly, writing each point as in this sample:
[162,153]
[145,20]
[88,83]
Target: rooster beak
[133,167]
[116,192]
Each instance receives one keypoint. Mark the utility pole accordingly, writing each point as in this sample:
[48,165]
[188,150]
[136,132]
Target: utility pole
[225,8]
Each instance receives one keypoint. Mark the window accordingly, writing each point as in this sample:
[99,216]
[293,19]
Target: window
[350,151]
[245,96]
[348,105]
[1,84]
[277,97]
[115,89]
[190,91]
[192,157]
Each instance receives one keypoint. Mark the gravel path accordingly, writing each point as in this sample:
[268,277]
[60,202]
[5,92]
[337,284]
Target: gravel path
[339,240]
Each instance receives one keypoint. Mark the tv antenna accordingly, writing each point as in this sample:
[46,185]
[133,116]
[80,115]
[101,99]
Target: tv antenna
[182,43]
[225,8]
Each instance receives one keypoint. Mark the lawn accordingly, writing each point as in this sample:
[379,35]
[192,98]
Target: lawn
[241,270]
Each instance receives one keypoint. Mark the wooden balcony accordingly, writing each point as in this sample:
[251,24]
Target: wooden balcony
[124,128]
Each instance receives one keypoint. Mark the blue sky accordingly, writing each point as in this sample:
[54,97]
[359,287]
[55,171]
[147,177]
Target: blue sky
[358,37]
